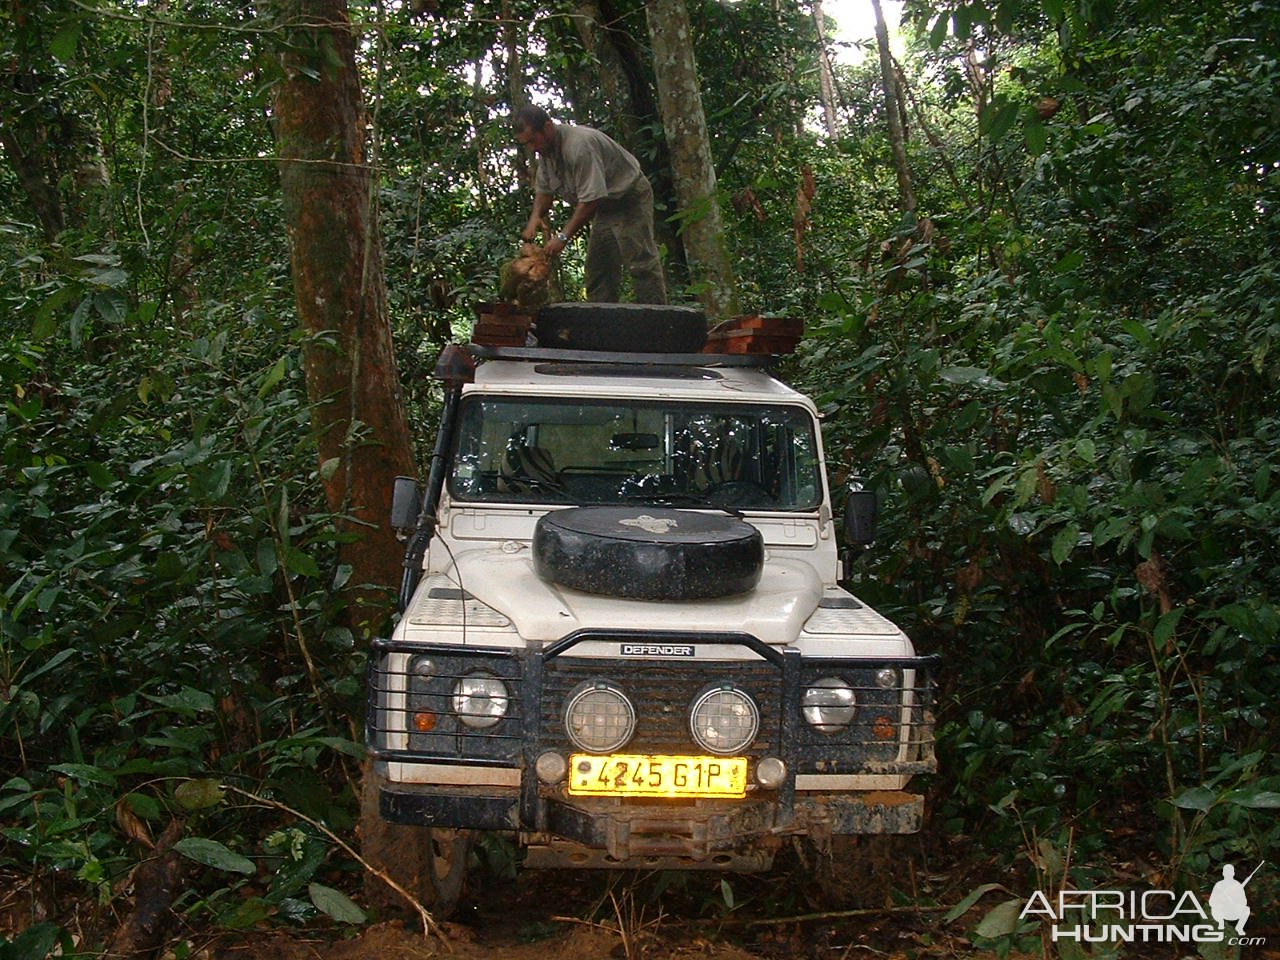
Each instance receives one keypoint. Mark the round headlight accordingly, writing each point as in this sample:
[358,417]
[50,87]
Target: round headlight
[828,705]
[480,700]
[724,720]
[886,678]
[599,718]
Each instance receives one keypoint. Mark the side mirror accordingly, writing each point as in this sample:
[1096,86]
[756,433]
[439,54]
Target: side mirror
[861,514]
[406,501]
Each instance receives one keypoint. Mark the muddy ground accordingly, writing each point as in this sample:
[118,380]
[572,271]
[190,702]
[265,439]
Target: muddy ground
[888,898]
[885,899]
[585,915]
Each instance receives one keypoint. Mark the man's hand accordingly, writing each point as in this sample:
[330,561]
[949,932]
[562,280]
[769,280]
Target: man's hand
[554,246]
[537,223]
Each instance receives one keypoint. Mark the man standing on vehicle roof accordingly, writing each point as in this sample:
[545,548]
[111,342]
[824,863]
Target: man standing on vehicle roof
[605,184]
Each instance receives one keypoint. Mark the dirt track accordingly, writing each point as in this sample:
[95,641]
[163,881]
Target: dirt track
[567,915]
[881,902]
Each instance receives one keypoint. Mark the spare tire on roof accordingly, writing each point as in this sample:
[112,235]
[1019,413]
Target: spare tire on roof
[622,327]
[648,553]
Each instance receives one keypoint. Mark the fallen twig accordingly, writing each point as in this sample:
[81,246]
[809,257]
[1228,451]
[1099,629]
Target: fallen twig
[155,884]
[832,915]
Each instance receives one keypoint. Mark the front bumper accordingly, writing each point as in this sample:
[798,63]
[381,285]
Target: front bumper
[719,835]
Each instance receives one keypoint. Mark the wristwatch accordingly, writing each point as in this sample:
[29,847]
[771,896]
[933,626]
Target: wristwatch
[563,238]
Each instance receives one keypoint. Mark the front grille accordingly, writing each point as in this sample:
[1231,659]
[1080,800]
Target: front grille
[662,694]
[892,729]
[403,701]
[411,715]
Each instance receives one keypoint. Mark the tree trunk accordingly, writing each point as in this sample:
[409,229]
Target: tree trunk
[827,80]
[613,79]
[893,111]
[680,103]
[328,188]
[41,192]
[516,91]
[630,103]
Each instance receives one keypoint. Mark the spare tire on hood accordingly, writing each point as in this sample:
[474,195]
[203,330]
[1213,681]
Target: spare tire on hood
[622,327]
[648,553]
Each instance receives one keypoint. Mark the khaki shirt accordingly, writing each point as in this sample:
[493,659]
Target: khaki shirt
[585,165]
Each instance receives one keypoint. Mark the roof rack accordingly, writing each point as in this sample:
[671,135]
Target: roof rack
[614,332]
[545,354]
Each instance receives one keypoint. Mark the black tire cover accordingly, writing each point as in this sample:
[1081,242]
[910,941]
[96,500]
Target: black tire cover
[648,553]
[622,327]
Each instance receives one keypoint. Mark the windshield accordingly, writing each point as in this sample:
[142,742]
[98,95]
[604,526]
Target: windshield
[618,452]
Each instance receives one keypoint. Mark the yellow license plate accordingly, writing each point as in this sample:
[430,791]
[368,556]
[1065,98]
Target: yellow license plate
[627,775]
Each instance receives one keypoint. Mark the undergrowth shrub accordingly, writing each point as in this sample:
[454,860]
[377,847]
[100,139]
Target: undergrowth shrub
[170,619]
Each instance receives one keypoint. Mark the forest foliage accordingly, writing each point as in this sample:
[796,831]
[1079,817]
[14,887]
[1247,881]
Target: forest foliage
[1060,373]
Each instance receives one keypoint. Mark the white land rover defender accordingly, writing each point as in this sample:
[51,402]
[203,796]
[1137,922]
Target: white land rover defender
[623,640]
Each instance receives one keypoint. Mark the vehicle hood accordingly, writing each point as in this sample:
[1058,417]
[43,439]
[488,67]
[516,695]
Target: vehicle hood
[774,612]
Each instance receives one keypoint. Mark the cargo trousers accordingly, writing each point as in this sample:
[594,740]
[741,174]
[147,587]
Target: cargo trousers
[622,236]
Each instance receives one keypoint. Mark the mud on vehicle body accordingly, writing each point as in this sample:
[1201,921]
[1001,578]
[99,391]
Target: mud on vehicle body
[623,637]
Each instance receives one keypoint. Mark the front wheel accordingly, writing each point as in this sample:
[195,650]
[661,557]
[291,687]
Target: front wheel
[428,862]
[448,854]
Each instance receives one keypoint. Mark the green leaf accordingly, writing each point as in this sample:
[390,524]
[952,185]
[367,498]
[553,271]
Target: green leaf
[299,563]
[85,773]
[969,899]
[199,794]
[148,808]
[44,327]
[726,893]
[998,118]
[1167,625]
[962,374]
[57,660]
[1065,542]
[213,854]
[1001,921]
[833,302]
[34,943]
[938,33]
[100,475]
[335,903]
[65,41]
[1195,798]
[266,556]
[274,376]
[1070,261]
[1256,800]
[343,745]
[111,305]
[1037,136]
[245,914]
[186,700]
